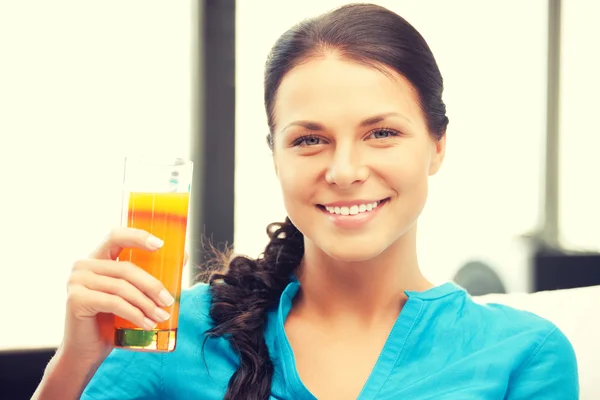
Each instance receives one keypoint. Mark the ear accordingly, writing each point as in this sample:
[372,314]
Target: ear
[438,154]
[275,164]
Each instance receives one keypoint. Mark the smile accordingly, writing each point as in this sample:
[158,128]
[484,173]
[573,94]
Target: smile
[353,209]
[349,215]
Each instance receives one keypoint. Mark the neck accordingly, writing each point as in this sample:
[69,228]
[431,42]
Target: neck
[365,292]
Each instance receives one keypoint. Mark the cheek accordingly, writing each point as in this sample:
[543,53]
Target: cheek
[298,181]
[407,176]
[296,178]
[404,170]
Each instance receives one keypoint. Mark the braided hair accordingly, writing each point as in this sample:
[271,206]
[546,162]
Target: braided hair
[240,299]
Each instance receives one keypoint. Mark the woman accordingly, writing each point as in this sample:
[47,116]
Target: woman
[336,308]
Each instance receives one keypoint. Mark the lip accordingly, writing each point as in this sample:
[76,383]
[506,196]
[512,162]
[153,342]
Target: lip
[352,221]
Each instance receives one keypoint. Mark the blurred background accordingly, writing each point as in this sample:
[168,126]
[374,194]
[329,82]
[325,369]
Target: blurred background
[83,84]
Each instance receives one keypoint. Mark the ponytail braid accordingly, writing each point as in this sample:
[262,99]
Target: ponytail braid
[240,299]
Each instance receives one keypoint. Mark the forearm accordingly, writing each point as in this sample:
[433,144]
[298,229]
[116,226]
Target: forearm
[65,378]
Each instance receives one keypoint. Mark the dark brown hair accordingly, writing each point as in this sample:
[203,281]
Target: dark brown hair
[367,34]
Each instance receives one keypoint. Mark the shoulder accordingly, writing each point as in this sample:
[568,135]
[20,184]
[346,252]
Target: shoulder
[511,318]
[459,309]
[544,359]
[512,335]
[550,368]
[509,323]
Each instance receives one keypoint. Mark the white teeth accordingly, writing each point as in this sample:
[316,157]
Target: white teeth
[353,210]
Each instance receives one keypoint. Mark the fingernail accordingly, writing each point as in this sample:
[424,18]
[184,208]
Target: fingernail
[165,298]
[149,324]
[154,242]
[161,314]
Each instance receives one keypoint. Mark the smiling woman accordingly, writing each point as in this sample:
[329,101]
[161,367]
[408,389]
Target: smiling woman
[337,306]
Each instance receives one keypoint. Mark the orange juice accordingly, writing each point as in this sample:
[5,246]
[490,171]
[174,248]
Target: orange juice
[165,216]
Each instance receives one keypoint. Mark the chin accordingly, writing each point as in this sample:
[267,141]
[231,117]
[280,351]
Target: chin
[350,252]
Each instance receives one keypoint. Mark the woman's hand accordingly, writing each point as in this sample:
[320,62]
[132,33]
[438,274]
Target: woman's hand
[100,288]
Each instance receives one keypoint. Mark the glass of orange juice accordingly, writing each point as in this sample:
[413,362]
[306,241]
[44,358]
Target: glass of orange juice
[156,199]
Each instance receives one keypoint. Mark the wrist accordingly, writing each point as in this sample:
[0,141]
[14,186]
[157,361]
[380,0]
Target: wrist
[66,376]
[73,359]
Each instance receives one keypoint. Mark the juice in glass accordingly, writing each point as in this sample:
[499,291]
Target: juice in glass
[164,213]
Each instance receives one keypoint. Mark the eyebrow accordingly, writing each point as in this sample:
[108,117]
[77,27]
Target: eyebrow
[315,126]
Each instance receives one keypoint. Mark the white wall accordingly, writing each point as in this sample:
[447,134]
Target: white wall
[580,130]
[493,59]
[82,84]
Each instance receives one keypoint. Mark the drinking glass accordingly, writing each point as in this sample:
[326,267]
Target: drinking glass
[156,199]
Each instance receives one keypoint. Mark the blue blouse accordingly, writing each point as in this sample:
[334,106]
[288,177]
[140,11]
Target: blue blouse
[442,346]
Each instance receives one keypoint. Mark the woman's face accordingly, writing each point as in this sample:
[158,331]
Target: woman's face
[353,156]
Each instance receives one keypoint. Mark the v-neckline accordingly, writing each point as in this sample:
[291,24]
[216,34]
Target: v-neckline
[390,354]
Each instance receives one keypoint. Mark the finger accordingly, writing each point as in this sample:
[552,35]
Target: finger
[91,303]
[125,290]
[122,238]
[142,280]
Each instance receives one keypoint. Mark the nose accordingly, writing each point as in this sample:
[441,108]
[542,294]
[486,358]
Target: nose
[346,168]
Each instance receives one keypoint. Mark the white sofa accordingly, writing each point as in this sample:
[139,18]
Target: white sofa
[577,313]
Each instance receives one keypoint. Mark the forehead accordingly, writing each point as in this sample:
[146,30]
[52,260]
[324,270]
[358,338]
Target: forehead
[331,89]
